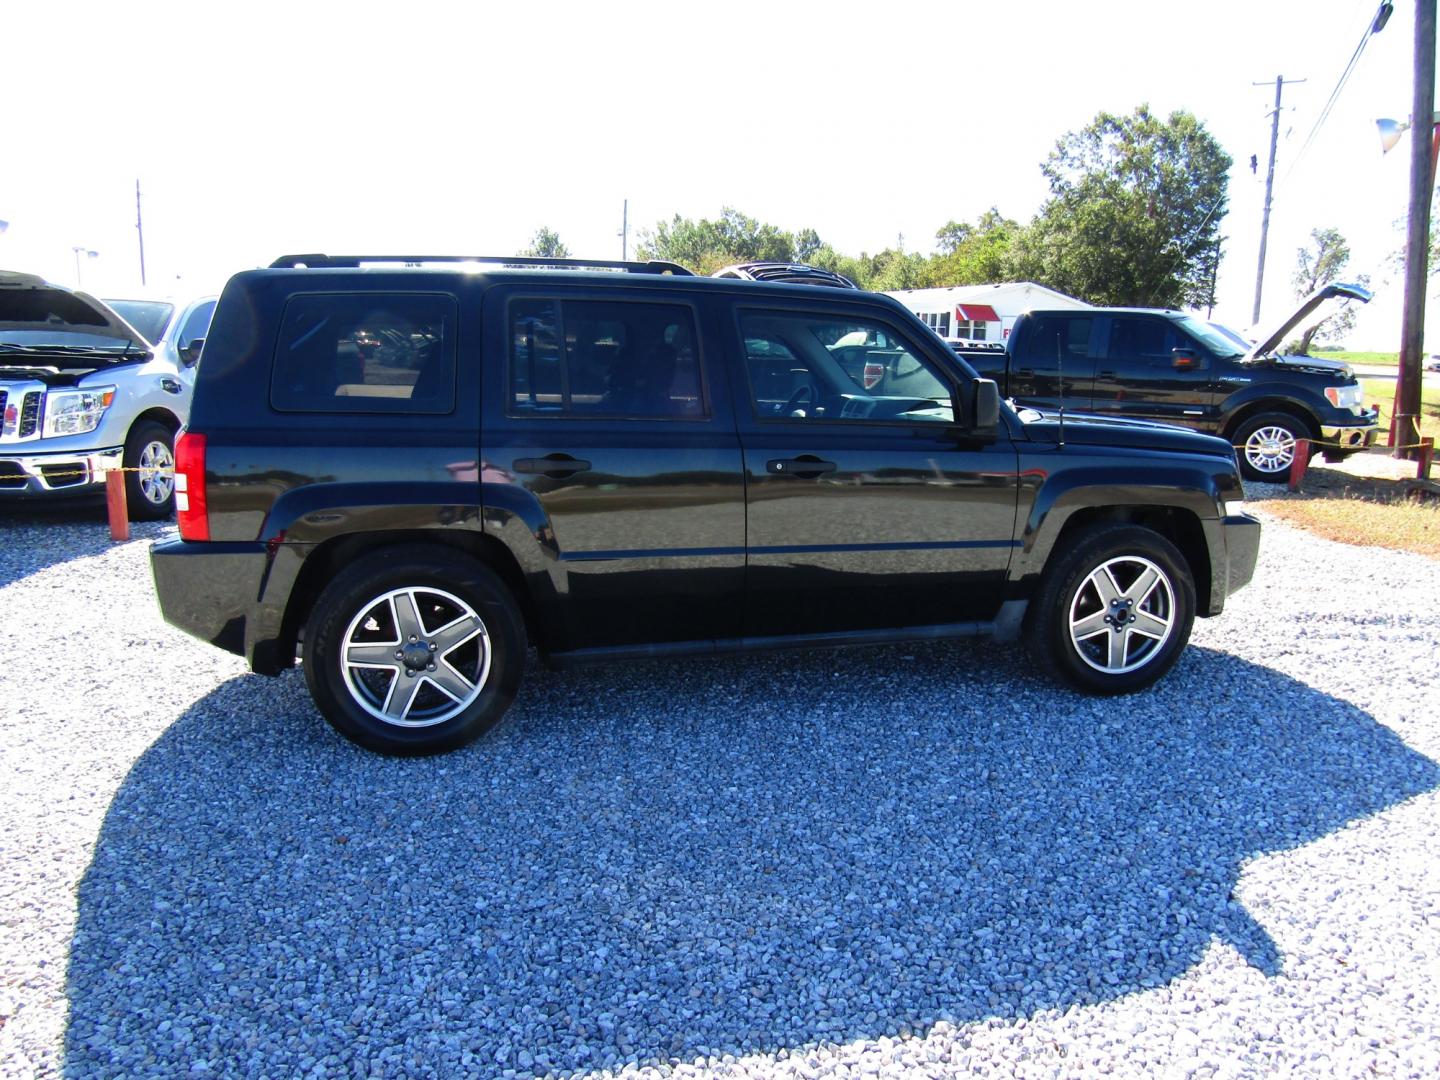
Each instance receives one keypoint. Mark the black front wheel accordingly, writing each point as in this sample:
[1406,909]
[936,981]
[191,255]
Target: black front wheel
[414,650]
[1266,446]
[1114,611]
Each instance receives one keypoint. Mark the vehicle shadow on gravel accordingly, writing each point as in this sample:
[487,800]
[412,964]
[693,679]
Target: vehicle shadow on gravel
[34,537]
[655,861]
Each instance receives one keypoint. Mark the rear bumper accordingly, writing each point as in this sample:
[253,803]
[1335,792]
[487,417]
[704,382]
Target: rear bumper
[32,475]
[211,590]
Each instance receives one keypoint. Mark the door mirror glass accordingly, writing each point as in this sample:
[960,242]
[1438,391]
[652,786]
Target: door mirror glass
[1187,359]
[987,405]
[190,354]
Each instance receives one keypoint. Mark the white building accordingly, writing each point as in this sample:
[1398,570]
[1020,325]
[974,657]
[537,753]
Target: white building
[982,312]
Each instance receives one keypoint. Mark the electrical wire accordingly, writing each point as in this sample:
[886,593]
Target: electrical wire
[1372,27]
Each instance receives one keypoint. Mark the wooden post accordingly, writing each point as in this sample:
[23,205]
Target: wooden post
[1427,455]
[1299,463]
[115,506]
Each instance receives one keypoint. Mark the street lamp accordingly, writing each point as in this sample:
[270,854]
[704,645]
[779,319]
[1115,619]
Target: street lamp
[81,249]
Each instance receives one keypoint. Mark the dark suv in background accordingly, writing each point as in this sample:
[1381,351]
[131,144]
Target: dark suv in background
[1147,364]
[407,473]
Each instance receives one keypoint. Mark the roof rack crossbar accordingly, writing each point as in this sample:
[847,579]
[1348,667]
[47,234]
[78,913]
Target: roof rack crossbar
[654,266]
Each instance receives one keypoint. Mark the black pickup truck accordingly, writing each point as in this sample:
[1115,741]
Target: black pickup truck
[1147,364]
[407,470]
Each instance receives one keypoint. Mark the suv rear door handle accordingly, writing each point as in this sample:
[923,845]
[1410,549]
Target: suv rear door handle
[806,466]
[555,466]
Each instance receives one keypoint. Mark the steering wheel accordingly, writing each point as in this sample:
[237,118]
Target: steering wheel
[801,394]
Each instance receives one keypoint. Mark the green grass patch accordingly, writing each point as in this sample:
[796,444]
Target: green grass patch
[1382,392]
[1392,359]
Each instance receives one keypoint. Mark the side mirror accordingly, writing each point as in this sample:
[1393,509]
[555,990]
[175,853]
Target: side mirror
[987,405]
[1186,360]
[190,354]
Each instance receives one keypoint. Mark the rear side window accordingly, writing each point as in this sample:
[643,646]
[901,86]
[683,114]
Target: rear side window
[604,359]
[1058,340]
[366,352]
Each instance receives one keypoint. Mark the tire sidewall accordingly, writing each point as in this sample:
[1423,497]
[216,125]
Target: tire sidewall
[358,586]
[140,508]
[1051,629]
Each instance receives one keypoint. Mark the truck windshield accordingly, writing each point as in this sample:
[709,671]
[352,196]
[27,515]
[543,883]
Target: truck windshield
[148,316]
[1220,344]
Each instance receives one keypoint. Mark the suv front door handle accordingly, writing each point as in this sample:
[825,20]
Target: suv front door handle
[806,466]
[555,466]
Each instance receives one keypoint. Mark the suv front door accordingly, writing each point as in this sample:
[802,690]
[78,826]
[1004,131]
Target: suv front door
[868,506]
[1054,361]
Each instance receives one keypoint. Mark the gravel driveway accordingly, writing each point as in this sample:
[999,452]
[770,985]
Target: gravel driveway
[889,861]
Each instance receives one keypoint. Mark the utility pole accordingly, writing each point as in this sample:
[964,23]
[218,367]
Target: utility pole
[140,228]
[625,230]
[1280,81]
[1417,236]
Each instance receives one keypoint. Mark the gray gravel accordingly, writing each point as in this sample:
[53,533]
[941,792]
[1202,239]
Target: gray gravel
[884,862]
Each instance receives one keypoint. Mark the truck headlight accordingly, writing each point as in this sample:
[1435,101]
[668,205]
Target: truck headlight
[74,412]
[1346,397]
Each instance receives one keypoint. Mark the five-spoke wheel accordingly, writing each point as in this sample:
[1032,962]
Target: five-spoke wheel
[414,650]
[1114,610]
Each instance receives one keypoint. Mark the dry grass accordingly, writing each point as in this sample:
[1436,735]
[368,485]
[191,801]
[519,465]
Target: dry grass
[1361,501]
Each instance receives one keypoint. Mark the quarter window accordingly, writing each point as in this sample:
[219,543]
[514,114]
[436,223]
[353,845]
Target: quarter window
[366,352]
[809,368]
[604,359]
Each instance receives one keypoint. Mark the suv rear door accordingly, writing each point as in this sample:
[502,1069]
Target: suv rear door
[606,410]
[867,507]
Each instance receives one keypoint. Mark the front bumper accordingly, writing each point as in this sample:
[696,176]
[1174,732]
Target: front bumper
[56,474]
[1351,438]
[1234,545]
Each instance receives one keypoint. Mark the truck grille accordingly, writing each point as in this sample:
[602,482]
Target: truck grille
[11,475]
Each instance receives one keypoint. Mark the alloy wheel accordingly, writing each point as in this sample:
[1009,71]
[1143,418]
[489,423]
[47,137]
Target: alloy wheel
[1122,614]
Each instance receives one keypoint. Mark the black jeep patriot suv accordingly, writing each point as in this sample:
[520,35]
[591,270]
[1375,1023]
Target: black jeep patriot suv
[406,470]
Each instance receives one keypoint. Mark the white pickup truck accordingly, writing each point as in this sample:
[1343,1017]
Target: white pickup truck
[83,392]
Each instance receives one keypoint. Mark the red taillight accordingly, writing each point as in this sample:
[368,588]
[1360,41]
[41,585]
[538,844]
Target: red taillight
[873,374]
[191,513]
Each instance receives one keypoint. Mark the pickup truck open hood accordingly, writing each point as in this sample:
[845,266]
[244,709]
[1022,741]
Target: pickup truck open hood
[1329,296]
[30,305]
[1087,429]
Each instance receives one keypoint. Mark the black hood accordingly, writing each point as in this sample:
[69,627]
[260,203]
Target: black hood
[1085,429]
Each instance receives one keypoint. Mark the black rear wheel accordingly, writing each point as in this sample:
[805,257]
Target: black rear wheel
[414,650]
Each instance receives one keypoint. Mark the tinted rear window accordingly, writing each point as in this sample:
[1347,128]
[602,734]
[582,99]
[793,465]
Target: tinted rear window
[366,352]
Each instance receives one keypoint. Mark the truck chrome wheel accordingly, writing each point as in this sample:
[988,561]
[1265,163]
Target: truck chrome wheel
[157,473]
[1122,614]
[415,657]
[1270,449]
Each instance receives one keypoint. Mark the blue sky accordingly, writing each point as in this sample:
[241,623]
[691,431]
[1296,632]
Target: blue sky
[265,128]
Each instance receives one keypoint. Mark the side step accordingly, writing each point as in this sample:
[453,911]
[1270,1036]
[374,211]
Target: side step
[1004,627]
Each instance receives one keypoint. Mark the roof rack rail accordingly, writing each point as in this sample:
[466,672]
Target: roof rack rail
[654,266]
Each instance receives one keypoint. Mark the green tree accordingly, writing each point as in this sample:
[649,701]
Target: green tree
[1317,264]
[545,244]
[704,246]
[1134,212]
[972,254]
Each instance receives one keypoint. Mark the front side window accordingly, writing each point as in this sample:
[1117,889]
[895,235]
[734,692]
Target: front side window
[604,359]
[1140,344]
[366,352]
[818,367]
[197,323]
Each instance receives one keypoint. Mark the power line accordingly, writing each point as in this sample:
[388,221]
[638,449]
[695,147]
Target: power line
[1375,25]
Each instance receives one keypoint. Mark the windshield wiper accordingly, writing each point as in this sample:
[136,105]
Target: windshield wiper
[70,350]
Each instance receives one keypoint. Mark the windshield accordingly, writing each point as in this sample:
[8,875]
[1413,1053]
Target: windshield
[1218,343]
[150,317]
[1234,335]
